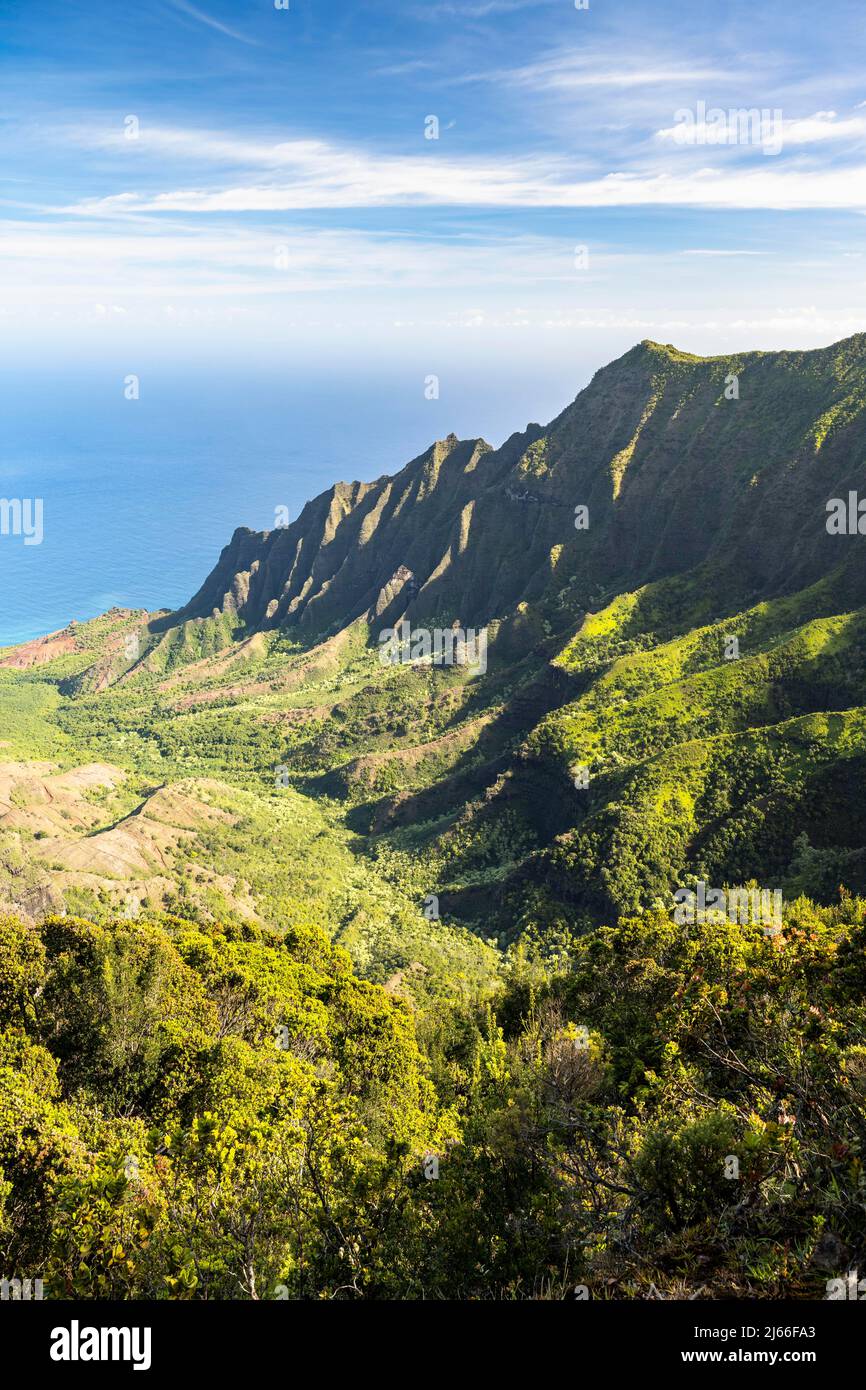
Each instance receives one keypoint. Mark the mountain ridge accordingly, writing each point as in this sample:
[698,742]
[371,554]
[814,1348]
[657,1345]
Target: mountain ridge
[667,486]
[612,650]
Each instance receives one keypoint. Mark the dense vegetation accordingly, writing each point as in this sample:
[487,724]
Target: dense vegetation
[453,891]
[225,1112]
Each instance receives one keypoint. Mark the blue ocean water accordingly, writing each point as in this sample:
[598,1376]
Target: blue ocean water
[140,496]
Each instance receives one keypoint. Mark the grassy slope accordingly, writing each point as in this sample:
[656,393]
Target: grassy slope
[276,852]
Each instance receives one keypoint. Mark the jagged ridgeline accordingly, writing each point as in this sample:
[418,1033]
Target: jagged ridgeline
[675,684]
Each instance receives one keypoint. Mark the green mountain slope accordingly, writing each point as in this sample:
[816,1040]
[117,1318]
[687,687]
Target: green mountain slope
[212,822]
[697,649]
[673,473]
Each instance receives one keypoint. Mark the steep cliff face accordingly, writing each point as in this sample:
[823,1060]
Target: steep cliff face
[676,685]
[679,460]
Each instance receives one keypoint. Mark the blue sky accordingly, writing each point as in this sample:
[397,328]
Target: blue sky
[278,199]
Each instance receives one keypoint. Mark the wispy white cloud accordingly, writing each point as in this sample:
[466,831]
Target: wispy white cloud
[86,259]
[123,285]
[579,69]
[309,174]
[478,9]
[809,130]
[404,69]
[236,205]
[717,251]
[194,13]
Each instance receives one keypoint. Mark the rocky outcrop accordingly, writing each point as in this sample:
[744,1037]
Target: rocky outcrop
[678,460]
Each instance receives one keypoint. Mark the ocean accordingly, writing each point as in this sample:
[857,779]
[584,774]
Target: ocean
[139,496]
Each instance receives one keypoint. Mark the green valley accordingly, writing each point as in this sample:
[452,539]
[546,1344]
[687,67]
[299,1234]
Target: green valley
[453,890]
